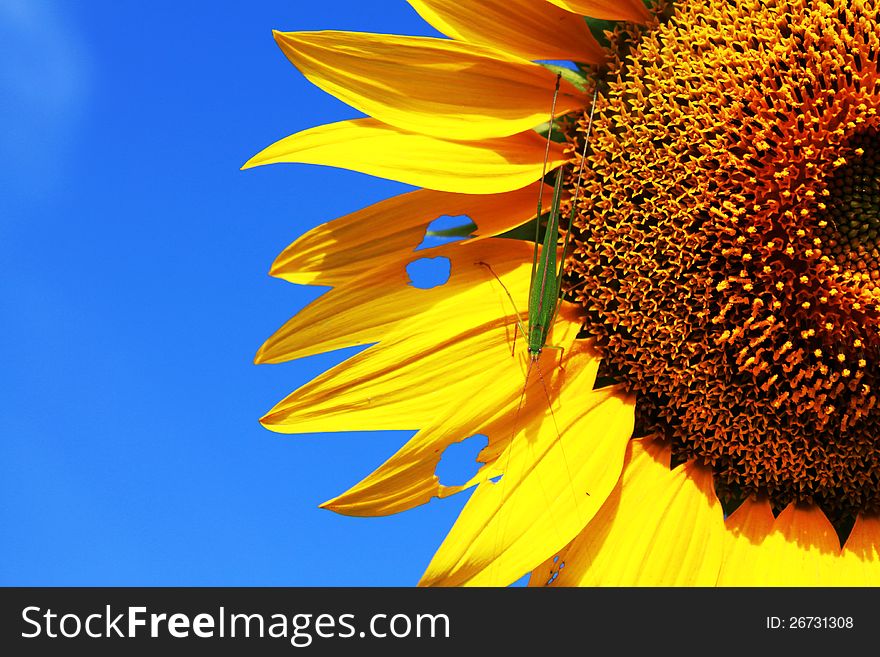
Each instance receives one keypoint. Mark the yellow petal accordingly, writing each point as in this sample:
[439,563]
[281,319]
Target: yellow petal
[347,247]
[798,548]
[492,409]
[553,483]
[368,308]
[462,340]
[436,87]
[532,29]
[747,528]
[395,385]
[408,478]
[861,554]
[366,145]
[613,10]
[659,527]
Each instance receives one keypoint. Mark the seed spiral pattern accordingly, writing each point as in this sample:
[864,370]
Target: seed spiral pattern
[726,242]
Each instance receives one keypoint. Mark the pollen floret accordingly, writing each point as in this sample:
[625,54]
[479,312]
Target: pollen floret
[727,252]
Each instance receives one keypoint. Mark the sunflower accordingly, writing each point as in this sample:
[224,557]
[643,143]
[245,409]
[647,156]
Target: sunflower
[712,418]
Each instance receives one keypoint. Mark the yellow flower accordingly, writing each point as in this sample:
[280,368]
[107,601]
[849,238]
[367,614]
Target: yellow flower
[713,417]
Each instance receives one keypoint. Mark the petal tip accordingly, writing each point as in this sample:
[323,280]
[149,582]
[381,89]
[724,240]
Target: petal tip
[276,269]
[257,160]
[268,421]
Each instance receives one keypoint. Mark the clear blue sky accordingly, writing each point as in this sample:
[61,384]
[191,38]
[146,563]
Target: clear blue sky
[134,294]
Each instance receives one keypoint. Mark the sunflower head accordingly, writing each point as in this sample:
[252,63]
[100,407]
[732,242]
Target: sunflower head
[726,246]
[720,305]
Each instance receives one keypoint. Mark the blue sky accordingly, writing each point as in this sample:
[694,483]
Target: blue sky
[135,293]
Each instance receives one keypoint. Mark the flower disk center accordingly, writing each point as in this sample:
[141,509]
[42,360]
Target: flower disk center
[727,244]
[853,211]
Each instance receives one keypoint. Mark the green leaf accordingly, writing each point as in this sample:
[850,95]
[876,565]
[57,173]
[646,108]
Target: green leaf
[576,78]
[464,230]
[598,27]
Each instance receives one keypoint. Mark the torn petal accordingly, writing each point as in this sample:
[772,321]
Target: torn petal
[556,476]
[407,478]
[345,248]
[381,302]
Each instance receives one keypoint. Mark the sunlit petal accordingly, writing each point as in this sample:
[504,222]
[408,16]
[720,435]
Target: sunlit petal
[382,301]
[393,385]
[408,478]
[623,10]
[349,246]
[659,527]
[798,548]
[533,29]
[487,166]
[861,554]
[552,485]
[437,87]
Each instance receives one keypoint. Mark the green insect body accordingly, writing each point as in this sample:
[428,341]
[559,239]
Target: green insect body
[544,295]
[546,277]
[546,281]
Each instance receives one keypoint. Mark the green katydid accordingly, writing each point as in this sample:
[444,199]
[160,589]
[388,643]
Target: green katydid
[546,281]
[546,277]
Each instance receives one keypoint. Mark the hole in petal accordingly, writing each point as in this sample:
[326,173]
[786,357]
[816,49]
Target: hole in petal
[558,63]
[459,461]
[447,228]
[426,273]
[522,581]
[554,574]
